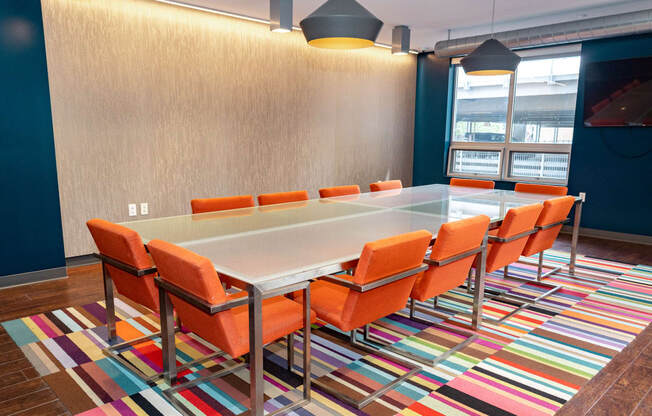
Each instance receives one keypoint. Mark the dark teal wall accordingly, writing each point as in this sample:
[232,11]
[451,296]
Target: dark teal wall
[31,236]
[618,186]
[619,194]
[432,112]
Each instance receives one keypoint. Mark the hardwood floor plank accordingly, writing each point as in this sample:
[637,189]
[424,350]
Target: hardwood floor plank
[24,388]
[22,403]
[10,379]
[54,408]
[626,393]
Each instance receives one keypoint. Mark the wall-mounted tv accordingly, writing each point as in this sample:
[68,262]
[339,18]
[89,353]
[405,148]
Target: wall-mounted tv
[618,93]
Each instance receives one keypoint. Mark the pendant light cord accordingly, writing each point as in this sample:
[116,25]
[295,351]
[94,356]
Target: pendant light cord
[493,16]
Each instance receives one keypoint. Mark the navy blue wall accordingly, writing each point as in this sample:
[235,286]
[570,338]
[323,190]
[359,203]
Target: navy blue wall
[31,236]
[619,194]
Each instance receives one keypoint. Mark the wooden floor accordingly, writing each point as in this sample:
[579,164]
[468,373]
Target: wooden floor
[623,387]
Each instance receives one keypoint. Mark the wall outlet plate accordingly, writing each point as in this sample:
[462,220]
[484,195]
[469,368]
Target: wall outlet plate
[133,210]
[144,208]
[583,196]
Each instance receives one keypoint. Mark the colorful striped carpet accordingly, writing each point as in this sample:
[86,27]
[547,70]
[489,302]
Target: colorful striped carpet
[529,364]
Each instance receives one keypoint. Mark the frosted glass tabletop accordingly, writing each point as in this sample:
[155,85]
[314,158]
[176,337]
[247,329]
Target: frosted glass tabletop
[493,203]
[184,228]
[269,255]
[288,243]
[406,197]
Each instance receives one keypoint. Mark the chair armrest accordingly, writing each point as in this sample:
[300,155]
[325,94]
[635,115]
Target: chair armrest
[512,238]
[545,227]
[375,284]
[125,267]
[197,302]
[452,259]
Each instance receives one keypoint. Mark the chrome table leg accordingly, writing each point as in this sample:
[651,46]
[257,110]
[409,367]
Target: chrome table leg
[575,236]
[256,385]
[478,295]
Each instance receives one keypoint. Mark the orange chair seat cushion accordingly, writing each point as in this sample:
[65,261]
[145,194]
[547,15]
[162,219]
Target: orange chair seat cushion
[385,186]
[453,238]
[282,197]
[554,210]
[281,316]
[221,204]
[125,245]
[472,183]
[533,188]
[339,191]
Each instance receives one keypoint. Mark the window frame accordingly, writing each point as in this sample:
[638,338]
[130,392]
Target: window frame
[507,148]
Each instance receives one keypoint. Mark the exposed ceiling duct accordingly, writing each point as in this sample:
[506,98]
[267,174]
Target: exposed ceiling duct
[556,34]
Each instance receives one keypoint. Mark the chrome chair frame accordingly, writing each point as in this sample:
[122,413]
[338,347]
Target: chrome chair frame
[113,351]
[412,369]
[523,301]
[470,336]
[169,349]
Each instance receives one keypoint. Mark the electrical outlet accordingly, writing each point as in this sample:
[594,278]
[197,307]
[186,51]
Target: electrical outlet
[144,208]
[133,211]
[583,196]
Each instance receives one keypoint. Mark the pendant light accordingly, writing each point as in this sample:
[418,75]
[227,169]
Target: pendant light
[341,24]
[492,57]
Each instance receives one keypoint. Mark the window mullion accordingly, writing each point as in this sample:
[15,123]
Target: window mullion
[508,127]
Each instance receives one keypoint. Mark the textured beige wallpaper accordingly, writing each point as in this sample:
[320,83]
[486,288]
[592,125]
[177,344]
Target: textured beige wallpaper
[159,104]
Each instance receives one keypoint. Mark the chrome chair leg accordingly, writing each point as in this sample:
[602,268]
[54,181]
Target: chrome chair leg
[109,303]
[169,393]
[290,352]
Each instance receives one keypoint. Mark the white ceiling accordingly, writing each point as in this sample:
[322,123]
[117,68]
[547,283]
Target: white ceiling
[431,19]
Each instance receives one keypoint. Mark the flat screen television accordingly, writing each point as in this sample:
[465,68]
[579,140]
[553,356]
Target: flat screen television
[618,93]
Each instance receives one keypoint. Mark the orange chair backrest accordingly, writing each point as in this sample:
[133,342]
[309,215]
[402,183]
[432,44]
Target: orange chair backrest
[125,245]
[380,259]
[517,221]
[195,274]
[221,204]
[385,186]
[473,183]
[339,191]
[533,188]
[554,210]
[282,197]
[453,238]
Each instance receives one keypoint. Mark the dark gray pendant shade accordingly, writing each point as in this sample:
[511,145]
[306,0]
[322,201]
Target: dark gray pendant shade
[491,58]
[341,24]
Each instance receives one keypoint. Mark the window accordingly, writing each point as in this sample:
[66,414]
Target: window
[517,127]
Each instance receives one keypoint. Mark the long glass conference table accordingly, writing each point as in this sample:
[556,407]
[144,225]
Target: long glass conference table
[269,249]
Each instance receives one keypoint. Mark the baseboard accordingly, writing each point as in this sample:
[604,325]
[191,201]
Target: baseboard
[611,235]
[33,277]
[84,260]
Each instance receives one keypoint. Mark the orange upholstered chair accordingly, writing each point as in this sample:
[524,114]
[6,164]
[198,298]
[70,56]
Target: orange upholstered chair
[339,191]
[549,224]
[282,197]
[125,262]
[453,239]
[195,291]
[221,204]
[473,183]
[380,286]
[507,243]
[457,245]
[533,188]
[385,186]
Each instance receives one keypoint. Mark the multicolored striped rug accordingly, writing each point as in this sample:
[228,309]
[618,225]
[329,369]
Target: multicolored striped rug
[529,364]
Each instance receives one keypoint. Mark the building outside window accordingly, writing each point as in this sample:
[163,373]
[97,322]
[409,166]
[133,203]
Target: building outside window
[516,127]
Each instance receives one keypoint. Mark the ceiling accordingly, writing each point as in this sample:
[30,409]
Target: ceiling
[430,20]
